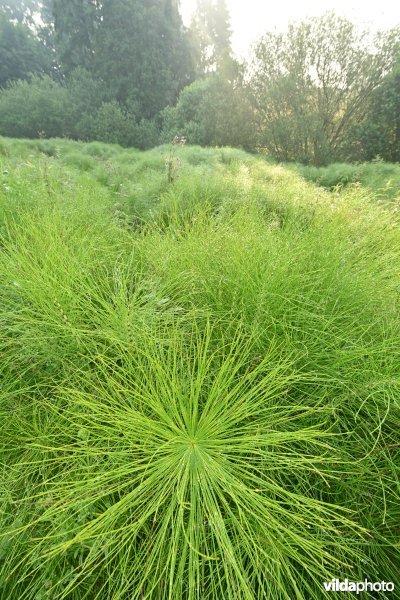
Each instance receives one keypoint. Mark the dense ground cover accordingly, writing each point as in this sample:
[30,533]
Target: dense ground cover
[381,178]
[200,377]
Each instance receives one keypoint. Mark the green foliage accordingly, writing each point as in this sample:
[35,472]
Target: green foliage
[313,83]
[38,108]
[138,49]
[211,112]
[74,24]
[141,69]
[21,53]
[379,133]
[149,59]
[112,124]
[211,37]
[20,11]
[46,108]
[124,71]
[86,92]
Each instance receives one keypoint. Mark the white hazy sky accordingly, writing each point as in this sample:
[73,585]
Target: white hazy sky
[251,18]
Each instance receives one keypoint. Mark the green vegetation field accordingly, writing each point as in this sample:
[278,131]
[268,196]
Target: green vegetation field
[200,376]
[379,177]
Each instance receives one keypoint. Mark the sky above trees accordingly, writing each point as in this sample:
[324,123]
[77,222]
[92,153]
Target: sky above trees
[251,18]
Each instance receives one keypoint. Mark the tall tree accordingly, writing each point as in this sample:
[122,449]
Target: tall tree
[137,48]
[312,84]
[211,36]
[22,54]
[71,26]
[20,11]
[142,53]
[222,34]
[379,133]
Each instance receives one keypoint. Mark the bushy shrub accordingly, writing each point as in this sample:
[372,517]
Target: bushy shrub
[39,108]
[77,110]
[112,124]
[147,134]
[379,133]
[210,112]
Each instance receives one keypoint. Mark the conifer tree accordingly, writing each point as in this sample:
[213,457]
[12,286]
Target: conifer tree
[211,36]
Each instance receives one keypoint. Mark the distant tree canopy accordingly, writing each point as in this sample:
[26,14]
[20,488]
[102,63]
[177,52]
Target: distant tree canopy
[22,54]
[311,85]
[128,71]
[137,48]
[72,25]
[379,133]
[211,36]
[148,62]
[21,11]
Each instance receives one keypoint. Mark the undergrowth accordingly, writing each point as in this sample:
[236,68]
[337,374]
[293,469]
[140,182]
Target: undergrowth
[382,179]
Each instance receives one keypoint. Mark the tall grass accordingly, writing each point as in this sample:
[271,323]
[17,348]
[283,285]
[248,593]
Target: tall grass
[382,179]
[201,403]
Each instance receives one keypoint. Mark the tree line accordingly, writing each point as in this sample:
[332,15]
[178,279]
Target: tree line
[129,72]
